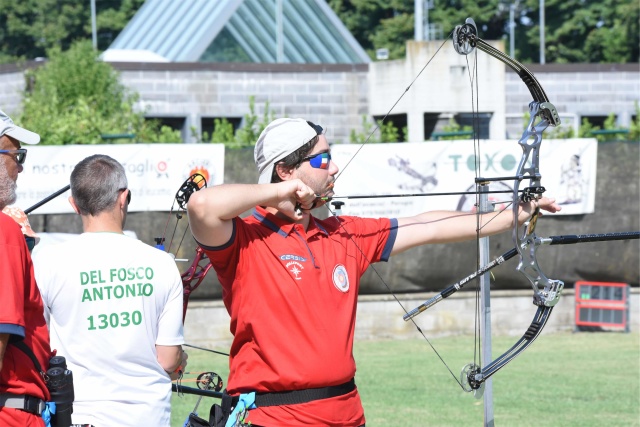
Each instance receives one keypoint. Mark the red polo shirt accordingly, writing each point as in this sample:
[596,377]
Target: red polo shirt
[21,316]
[292,299]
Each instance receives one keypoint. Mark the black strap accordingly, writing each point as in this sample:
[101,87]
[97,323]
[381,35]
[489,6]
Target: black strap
[295,397]
[20,345]
[33,405]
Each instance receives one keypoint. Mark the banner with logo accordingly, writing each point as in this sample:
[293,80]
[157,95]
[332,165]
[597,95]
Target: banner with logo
[154,171]
[568,169]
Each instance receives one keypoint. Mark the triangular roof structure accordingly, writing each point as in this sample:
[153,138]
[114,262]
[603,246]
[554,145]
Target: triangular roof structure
[258,31]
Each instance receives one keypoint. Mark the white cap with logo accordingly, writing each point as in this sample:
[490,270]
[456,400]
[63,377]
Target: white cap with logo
[279,139]
[7,127]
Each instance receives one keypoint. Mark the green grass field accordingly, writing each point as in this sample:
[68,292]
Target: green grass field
[582,379]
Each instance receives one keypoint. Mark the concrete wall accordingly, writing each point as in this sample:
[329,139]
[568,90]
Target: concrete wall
[444,86]
[380,317]
[332,95]
[339,95]
[577,90]
[12,85]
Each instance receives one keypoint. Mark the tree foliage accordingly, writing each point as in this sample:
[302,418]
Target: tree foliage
[586,129]
[580,31]
[246,136]
[576,31]
[377,23]
[28,28]
[75,99]
[379,131]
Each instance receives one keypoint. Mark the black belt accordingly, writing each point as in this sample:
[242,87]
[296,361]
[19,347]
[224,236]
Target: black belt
[295,397]
[24,402]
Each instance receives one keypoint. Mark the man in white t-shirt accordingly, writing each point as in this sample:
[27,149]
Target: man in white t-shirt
[113,305]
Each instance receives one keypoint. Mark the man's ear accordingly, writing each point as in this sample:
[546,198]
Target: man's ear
[284,172]
[73,205]
[122,199]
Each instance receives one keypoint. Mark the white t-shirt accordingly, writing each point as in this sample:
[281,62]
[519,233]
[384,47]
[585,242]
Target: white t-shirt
[109,299]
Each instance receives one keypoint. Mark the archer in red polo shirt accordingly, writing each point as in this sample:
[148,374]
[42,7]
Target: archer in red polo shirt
[290,281]
[21,310]
[311,279]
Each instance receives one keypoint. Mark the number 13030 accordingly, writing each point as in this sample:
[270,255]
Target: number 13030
[114,320]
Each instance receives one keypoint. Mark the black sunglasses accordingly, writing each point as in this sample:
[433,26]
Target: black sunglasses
[20,154]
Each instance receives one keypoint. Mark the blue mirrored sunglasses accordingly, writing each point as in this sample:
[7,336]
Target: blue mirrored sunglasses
[20,155]
[318,161]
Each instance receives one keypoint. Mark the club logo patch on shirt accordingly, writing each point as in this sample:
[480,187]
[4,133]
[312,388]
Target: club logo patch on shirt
[293,264]
[295,268]
[341,278]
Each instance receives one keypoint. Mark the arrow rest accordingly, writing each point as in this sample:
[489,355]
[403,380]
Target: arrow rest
[532,193]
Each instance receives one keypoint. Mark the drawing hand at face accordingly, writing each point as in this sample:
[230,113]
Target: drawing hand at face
[294,197]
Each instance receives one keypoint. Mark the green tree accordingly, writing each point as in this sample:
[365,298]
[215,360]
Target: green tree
[248,134]
[75,98]
[389,24]
[377,23]
[244,137]
[222,131]
[580,31]
[378,132]
[454,126]
[575,30]
[28,28]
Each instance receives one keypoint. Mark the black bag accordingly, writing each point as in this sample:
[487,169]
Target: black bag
[196,421]
[217,417]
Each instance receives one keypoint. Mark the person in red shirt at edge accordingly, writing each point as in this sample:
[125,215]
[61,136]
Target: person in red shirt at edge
[22,388]
[290,281]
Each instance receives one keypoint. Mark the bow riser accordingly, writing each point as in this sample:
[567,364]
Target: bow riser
[526,243]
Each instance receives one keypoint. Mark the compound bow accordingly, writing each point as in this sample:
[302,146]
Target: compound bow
[546,291]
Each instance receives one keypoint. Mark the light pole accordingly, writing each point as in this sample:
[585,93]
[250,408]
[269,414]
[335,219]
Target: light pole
[418,20]
[512,30]
[94,35]
[542,32]
[422,29]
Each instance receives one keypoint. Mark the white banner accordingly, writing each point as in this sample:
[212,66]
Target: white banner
[568,169]
[154,171]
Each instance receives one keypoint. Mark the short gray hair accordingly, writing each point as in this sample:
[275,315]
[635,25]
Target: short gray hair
[96,182]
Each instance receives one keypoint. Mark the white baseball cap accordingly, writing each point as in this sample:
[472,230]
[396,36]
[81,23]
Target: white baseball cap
[280,138]
[7,127]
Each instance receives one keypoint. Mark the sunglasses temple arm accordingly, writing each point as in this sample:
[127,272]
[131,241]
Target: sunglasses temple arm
[46,199]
